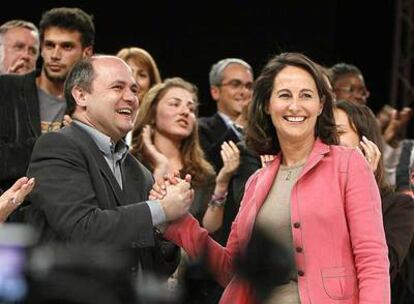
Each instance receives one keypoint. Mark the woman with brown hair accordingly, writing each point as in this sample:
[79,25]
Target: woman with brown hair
[165,138]
[358,128]
[318,199]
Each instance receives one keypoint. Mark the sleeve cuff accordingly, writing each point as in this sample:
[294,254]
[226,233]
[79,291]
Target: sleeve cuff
[157,213]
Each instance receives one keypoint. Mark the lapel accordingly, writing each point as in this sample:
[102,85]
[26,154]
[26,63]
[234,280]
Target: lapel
[30,99]
[318,152]
[101,162]
[130,179]
[219,128]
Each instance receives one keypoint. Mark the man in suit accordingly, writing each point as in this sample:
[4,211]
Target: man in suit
[90,189]
[33,104]
[231,84]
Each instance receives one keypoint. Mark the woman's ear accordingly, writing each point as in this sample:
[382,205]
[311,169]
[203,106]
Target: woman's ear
[321,105]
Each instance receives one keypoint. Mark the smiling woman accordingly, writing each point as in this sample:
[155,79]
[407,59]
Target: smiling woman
[291,115]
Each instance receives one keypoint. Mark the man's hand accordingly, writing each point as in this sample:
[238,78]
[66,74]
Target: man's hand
[178,198]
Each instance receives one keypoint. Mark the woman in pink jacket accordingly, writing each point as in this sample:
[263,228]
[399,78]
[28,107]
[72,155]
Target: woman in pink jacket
[318,199]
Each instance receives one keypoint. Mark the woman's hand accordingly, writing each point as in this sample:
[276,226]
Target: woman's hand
[266,159]
[230,155]
[13,197]
[371,152]
[67,120]
[158,160]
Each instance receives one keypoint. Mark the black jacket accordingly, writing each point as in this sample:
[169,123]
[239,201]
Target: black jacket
[213,131]
[19,125]
[78,200]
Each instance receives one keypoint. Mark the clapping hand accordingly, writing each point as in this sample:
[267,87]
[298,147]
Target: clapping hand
[230,155]
[13,197]
[158,160]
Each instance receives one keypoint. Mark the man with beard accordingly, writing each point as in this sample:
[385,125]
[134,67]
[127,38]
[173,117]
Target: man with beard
[34,104]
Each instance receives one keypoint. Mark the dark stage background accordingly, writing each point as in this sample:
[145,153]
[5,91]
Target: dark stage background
[185,38]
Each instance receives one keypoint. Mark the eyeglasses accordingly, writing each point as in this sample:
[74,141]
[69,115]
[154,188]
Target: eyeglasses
[362,91]
[238,85]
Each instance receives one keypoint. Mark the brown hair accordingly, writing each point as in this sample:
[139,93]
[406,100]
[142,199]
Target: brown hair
[363,122]
[194,162]
[261,133]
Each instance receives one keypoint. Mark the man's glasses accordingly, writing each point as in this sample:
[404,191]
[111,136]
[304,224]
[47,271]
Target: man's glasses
[238,85]
[361,91]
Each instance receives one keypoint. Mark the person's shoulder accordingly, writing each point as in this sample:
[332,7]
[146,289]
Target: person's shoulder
[402,198]
[17,78]
[341,151]
[209,120]
[55,137]
[346,157]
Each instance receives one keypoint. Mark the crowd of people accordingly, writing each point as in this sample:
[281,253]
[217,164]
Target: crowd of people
[294,191]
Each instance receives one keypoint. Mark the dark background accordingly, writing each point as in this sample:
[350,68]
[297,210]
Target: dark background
[186,38]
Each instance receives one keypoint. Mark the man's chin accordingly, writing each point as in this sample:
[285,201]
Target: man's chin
[55,78]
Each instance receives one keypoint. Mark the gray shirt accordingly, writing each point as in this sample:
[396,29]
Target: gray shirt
[52,110]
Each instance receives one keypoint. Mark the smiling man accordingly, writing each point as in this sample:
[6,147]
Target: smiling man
[231,86]
[34,104]
[90,189]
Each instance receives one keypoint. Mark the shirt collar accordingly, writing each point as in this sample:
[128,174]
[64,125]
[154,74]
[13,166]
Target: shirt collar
[119,150]
[227,120]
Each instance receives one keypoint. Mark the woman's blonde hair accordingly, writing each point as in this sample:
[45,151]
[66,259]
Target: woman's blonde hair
[143,58]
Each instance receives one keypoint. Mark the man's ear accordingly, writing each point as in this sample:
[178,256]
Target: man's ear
[88,51]
[215,92]
[79,95]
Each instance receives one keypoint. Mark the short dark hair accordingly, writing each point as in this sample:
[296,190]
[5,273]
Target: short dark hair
[261,133]
[81,75]
[340,69]
[73,19]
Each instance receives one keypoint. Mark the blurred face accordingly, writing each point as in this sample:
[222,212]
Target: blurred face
[21,49]
[61,49]
[348,137]
[294,106]
[112,105]
[351,87]
[142,77]
[176,114]
[235,92]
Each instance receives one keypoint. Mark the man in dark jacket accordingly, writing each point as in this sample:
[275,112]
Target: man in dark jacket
[231,84]
[31,104]
[90,189]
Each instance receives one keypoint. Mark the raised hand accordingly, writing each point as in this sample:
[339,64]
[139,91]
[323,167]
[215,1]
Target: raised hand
[67,120]
[396,125]
[371,152]
[266,159]
[230,155]
[13,197]
[158,160]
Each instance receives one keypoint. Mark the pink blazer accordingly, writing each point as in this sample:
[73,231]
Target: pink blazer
[336,220]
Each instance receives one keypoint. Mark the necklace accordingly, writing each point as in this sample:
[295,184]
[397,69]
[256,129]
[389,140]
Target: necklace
[289,175]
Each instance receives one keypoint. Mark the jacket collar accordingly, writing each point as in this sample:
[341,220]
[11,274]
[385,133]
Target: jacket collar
[265,180]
